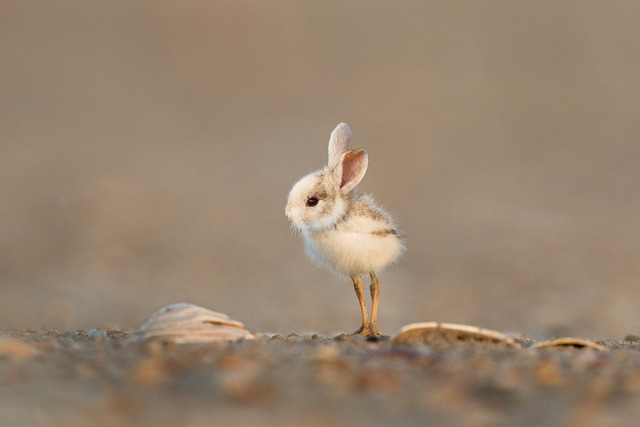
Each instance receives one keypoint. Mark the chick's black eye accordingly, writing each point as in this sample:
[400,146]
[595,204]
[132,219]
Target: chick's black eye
[312,201]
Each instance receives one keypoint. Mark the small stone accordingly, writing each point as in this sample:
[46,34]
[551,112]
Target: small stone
[97,333]
[12,348]
[548,374]
[381,381]
[149,372]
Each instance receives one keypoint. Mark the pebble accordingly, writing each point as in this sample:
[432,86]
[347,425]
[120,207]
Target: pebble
[14,349]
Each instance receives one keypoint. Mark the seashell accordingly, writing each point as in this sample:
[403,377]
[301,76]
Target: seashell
[185,323]
[570,342]
[448,333]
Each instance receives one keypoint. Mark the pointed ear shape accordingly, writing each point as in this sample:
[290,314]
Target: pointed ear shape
[339,143]
[351,169]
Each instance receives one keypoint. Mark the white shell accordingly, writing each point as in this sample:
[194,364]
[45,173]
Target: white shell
[185,323]
[438,333]
[569,342]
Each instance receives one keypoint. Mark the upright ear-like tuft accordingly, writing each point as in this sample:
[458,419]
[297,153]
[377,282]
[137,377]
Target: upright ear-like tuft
[339,143]
[351,169]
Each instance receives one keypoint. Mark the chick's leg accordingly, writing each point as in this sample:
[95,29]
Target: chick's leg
[375,295]
[357,285]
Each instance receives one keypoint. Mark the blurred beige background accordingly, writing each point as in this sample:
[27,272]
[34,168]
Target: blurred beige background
[148,149]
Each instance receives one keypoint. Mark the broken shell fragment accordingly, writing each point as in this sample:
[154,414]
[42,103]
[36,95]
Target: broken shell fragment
[185,323]
[570,343]
[436,333]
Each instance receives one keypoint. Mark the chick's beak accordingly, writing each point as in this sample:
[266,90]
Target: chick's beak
[287,212]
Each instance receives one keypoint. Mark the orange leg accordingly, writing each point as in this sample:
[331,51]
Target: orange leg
[357,285]
[375,295]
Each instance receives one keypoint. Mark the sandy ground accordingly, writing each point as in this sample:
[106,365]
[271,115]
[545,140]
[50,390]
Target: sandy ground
[104,378]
